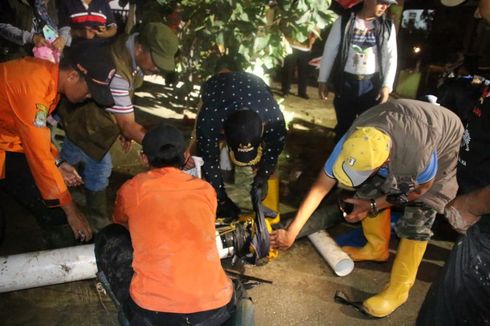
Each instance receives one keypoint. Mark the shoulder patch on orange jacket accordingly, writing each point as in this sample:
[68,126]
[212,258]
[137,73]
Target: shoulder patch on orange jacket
[41,115]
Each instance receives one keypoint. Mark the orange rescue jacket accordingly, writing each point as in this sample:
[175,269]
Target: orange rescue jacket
[28,94]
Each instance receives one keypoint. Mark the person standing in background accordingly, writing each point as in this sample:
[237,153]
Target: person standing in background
[299,57]
[360,56]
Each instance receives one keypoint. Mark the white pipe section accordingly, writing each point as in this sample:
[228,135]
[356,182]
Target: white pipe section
[338,260]
[223,252]
[47,267]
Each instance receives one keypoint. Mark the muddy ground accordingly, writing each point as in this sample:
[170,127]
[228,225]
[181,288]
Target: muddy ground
[303,285]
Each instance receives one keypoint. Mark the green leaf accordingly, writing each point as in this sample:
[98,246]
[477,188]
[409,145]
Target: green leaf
[261,42]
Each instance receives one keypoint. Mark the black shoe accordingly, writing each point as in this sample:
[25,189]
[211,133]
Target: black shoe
[306,97]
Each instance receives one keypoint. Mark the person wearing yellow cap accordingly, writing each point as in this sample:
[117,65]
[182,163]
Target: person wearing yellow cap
[401,153]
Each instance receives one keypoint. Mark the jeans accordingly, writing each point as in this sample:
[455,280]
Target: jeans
[95,173]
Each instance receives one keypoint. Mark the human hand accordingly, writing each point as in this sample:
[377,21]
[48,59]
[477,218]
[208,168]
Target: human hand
[99,31]
[126,144]
[459,215]
[323,91]
[360,211]
[188,161]
[460,223]
[78,222]
[384,95]
[59,43]
[281,239]
[39,40]
[70,175]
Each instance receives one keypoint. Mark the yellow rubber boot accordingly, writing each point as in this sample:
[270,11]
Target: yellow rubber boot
[377,231]
[403,273]
[271,201]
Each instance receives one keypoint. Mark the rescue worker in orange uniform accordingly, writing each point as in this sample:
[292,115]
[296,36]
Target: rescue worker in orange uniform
[30,89]
[160,258]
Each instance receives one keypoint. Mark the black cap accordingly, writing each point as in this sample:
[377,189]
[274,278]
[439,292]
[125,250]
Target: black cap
[156,141]
[95,64]
[243,132]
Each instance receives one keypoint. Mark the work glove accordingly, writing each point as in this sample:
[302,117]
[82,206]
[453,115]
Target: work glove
[260,185]
[226,207]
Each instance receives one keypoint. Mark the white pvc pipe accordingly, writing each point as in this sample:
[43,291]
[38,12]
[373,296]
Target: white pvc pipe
[47,267]
[338,260]
[223,252]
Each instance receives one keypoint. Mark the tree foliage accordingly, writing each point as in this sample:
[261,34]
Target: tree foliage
[244,34]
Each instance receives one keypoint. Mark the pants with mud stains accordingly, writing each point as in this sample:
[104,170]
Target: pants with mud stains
[114,255]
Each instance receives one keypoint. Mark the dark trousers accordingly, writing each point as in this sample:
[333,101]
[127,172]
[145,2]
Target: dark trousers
[299,58]
[353,98]
[460,294]
[19,183]
[114,256]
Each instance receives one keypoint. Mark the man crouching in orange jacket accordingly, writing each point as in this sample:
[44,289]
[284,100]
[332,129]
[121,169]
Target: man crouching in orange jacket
[30,89]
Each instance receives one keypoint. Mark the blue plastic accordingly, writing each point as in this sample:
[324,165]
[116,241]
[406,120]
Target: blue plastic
[356,238]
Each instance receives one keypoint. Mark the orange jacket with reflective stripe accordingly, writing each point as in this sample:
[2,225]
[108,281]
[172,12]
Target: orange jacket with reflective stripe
[28,94]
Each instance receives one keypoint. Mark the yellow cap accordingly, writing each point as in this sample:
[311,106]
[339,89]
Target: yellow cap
[363,152]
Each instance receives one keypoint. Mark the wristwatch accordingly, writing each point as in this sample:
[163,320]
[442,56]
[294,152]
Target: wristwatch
[373,211]
[58,162]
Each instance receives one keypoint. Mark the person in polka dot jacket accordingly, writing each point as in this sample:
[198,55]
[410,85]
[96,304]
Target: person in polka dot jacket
[238,108]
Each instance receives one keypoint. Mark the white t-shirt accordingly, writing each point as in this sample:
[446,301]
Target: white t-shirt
[361,58]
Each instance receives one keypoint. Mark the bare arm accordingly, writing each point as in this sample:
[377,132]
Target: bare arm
[363,206]
[283,239]
[475,203]
[130,129]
